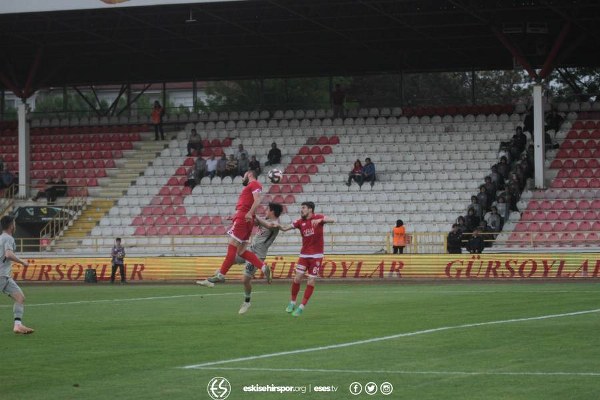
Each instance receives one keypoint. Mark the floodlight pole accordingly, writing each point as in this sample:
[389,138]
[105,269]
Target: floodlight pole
[538,136]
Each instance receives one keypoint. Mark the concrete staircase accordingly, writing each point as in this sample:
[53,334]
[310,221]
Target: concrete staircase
[102,198]
[129,168]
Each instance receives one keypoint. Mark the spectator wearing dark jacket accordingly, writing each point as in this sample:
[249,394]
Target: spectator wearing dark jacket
[475,244]
[454,241]
[274,156]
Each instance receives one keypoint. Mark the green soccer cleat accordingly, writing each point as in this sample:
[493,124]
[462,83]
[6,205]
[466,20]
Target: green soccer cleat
[297,312]
[267,271]
[290,307]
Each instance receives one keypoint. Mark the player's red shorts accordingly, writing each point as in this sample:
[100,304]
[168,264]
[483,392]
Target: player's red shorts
[310,266]
[241,229]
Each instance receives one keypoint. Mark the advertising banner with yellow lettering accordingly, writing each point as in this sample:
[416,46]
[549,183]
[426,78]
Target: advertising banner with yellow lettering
[446,266]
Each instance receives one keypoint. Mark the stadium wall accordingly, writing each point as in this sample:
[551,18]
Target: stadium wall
[500,267]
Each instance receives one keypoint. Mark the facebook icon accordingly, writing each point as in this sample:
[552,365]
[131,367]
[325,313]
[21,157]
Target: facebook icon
[355,388]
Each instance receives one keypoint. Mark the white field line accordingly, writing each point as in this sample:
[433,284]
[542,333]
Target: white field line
[401,372]
[125,300]
[391,337]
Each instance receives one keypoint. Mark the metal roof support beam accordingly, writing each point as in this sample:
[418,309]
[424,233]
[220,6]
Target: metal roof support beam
[112,107]
[12,86]
[89,103]
[28,91]
[516,53]
[131,101]
[549,63]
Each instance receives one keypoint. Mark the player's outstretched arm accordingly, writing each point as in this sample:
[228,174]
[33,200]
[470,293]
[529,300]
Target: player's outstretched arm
[286,228]
[266,224]
[257,199]
[10,255]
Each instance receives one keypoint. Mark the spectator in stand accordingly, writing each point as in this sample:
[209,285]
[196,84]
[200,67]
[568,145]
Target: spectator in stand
[274,156]
[60,187]
[503,167]
[194,143]
[475,244]
[399,237]
[471,220]
[368,173]
[553,121]
[46,190]
[454,241]
[6,178]
[158,112]
[517,143]
[222,167]
[497,179]
[200,167]
[502,208]
[255,165]
[486,234]
[528,122]
[211,167]
[241,151]
[338,97]
[191,179]
[1,164]
[490,190]
[243,164]
[493,220]
[482,199]
[512,195]
[356,173]
[475,206]
[232,166]
[461,225]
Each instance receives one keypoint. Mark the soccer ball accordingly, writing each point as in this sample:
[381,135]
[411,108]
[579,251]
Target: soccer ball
[275,175]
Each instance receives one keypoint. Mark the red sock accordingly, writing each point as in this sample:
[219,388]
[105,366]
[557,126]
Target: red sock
[307,293]
[252,259]
[295,290]
[229,259]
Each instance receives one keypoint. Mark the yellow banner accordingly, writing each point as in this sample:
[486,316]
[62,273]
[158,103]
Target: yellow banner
[447,266]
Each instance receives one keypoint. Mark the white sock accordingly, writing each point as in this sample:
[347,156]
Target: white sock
[17,322]
[301,306]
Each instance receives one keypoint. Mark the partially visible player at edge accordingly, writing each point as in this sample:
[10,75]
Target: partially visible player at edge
[243,222]
[7,284]
[311,254]
[268,230]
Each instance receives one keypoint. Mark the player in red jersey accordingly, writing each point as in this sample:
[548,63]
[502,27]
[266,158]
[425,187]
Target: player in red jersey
[240,231]
[311,254]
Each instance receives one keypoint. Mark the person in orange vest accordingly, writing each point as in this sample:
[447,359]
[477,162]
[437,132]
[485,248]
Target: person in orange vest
[156,117]
[399,237]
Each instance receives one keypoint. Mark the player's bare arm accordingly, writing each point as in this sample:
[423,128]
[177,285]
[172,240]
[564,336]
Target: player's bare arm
[285,228]
[13,257]
[325,220]
[265,223]
[257,199]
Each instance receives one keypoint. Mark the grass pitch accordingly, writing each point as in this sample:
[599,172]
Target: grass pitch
[459,341]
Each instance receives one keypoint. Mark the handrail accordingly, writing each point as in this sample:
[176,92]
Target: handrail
[9,196]
[63,218]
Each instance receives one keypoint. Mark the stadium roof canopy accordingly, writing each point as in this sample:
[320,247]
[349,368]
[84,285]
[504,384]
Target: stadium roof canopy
[184,40]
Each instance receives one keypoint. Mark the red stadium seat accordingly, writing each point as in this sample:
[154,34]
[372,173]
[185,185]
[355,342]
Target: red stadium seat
[186,230]
[304,150]
[140,231]
[137,221]
[197,230]
[216,220]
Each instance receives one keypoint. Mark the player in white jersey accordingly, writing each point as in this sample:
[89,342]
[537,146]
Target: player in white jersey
[7,284]
[268,231]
